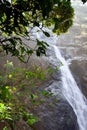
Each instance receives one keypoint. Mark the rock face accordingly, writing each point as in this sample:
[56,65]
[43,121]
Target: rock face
[60,116]
[56,113]
[79,71]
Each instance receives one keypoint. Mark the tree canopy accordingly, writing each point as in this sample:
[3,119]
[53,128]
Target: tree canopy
[17,16]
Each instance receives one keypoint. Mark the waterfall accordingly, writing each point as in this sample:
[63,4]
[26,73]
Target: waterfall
[70,89]
[72,92]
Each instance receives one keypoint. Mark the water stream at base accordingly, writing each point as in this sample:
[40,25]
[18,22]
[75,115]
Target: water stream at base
[72,92]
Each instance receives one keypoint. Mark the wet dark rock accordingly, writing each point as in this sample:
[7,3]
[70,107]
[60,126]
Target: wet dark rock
[57,76]
[55,113]
[58,116]
[79,71]
[56,88]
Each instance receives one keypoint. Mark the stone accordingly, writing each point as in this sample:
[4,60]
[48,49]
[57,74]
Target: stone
[59,116]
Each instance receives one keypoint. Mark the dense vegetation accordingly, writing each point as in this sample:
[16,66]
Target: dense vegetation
[17,20]
[19,17]
[19,95]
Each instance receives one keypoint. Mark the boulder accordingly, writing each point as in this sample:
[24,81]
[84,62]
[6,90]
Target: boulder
[56,114]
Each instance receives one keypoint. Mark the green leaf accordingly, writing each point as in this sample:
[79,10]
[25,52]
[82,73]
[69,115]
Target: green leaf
[5,128]
[29,52]
[46,93]
[33,96]
[32,120]
[38,53]
[5,93]
[46,33]
[22,58]
[15,53]
[22,49]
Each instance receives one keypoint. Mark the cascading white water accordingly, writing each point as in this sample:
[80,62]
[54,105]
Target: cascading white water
[71,92]
[70,89]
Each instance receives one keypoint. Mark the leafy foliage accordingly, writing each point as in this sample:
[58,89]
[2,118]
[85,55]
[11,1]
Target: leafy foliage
[84,1]
[30,118]
[19,17]
[5,112]
[5,128]
[16,86]
[19,14]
